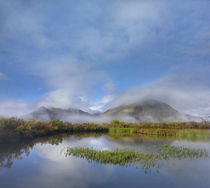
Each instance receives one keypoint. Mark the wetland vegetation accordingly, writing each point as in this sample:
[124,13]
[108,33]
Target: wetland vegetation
[146,160]
[21,135]
[13,128]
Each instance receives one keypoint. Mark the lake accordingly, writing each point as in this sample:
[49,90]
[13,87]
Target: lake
[44,163]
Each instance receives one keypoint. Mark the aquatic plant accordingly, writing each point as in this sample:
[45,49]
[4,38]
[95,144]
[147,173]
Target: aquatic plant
[127,157]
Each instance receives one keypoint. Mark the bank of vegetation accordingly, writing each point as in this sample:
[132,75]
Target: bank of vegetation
[19,128]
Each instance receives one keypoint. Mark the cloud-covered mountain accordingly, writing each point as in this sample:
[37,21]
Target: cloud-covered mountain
[147,110]
[47,114]
[150,110]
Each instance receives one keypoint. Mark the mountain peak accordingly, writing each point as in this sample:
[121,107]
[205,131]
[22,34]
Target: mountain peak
[145,110]
[149,110]
[49,113]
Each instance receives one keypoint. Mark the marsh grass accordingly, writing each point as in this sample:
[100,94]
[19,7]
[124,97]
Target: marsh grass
[128,157]
[164,134]
[18,128]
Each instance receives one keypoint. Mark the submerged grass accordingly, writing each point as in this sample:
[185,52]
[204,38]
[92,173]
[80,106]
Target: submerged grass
[127,157]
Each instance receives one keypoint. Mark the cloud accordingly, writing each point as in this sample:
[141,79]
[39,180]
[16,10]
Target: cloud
[2,76]
[70,52]
[101,104]
[15,108]
[67,80]
[97,108]
[23,24]
[187,93]
[107,29]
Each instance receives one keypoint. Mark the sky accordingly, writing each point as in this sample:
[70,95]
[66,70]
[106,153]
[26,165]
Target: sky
[97,54]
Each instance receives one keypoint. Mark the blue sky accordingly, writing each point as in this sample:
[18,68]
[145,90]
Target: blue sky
[92,54]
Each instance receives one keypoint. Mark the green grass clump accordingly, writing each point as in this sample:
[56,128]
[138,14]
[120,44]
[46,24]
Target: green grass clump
[127,157]
[121,157]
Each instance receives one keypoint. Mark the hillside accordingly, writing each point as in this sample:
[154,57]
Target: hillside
[47,114]
[150,110]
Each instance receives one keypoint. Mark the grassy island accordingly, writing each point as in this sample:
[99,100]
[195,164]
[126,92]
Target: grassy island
[146,160]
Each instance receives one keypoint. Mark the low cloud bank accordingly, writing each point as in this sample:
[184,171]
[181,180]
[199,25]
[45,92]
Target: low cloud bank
[187,94]
[15,108]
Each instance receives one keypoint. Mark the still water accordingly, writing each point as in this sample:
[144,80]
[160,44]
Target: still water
[44,163]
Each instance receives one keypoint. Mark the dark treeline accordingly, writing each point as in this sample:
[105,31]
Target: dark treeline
[12,127]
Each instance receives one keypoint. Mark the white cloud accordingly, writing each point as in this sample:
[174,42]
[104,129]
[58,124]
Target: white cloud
[61,98]
[70,82]
[84,47]
[24,25]
[101,104]
[105,99]
[2,76]
[186,93]
[97,108]
[83,99]
[15,108]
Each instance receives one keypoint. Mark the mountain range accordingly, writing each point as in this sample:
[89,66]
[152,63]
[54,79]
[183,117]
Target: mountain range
[147,110]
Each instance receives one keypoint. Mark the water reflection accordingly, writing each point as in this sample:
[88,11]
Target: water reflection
[15,150]
[10,152]
[42,163]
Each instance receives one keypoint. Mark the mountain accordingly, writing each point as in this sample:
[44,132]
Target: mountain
[149,110]
[47,114]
